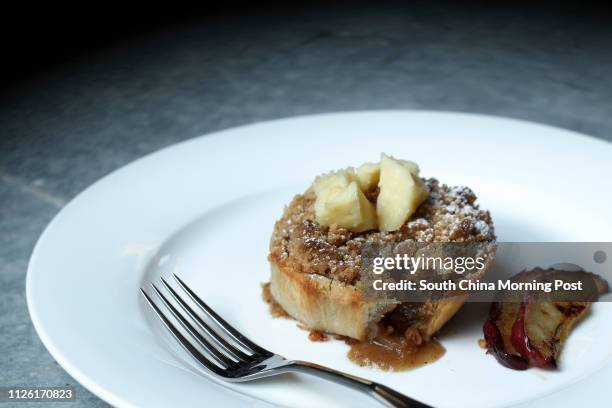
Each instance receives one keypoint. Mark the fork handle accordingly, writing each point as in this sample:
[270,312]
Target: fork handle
[381,393]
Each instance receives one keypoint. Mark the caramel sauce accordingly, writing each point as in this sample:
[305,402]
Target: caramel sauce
[389,351]
[394,352]
[317,335]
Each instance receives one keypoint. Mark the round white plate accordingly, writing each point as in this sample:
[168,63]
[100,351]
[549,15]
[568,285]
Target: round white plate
[539,182]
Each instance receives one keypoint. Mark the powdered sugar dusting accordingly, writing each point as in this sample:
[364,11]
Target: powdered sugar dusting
[450,214]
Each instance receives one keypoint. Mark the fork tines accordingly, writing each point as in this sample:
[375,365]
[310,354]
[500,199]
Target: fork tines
[215,344]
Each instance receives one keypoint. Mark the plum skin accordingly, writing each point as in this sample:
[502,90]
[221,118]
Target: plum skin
[523,345]
[495,346]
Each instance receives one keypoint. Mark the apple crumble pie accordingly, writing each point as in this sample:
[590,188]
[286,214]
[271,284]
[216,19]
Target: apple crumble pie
[316,258]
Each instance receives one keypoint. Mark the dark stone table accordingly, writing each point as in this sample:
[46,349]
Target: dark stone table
[73,123]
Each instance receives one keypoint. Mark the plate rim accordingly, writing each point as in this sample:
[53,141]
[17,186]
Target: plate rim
[110,397]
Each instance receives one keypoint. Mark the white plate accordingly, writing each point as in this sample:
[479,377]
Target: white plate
[540,183]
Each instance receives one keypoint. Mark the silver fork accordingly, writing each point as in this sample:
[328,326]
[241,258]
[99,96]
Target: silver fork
[230,356]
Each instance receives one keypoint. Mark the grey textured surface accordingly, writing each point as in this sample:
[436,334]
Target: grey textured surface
[75,123]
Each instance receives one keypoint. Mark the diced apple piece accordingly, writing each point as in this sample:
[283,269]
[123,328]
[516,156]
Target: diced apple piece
[367,176]
[328,181]
[401,193]
[338,205]
[346,207]
[412,166]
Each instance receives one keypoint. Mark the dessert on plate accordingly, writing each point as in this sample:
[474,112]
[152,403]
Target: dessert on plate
[315,257]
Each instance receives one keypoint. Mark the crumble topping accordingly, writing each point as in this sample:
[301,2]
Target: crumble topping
[450,214]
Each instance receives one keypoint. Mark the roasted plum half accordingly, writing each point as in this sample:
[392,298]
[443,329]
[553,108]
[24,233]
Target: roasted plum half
[527,329]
